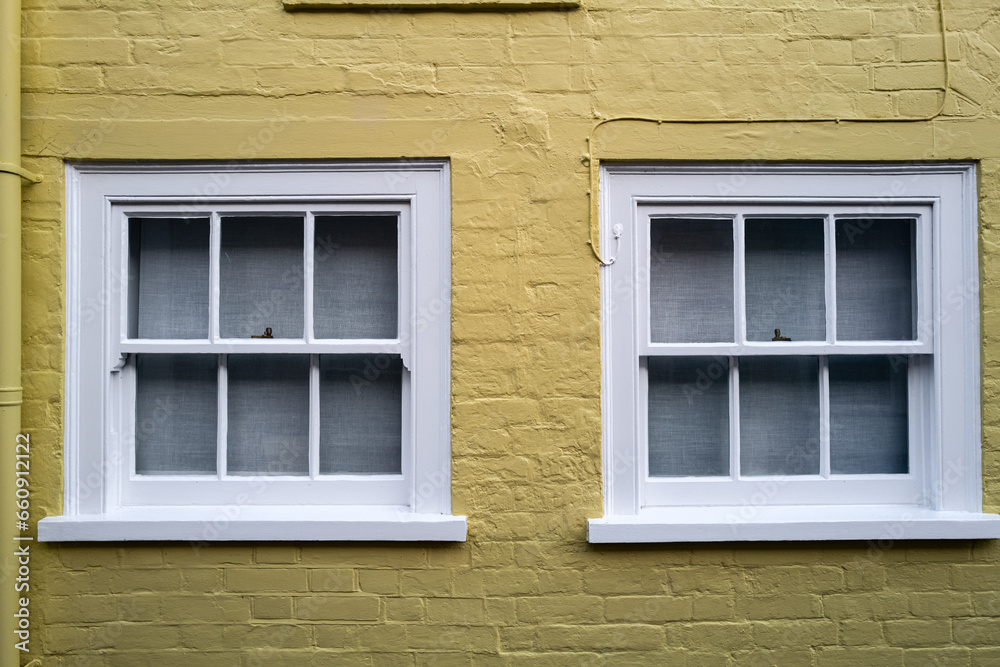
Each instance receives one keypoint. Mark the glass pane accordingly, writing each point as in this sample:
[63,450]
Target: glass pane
[688,416]
[260,275]
[268,414]
[176,414]
[168,277]
[691,281]
[868,415]
[356,283]
[361,408]
[779,416]
[785,279]
[875,264]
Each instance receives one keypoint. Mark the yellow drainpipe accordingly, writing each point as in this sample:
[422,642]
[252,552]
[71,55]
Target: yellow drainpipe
[11,174]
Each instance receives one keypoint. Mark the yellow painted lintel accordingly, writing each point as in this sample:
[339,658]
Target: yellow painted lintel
[431,5]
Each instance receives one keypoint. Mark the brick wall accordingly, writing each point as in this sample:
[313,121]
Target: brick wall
[510,98]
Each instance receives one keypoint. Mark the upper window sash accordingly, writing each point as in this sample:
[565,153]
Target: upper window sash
[830,214]
[309,342]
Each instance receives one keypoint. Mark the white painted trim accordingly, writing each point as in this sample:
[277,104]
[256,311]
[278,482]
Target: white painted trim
[285,523]
[796,348]
[771,491]
[266,167]
[314,418]
[215,281]
[749,170]
[74,303]
[944,486]
[222,419]
[885,524]
[274,346]
[96,471]
[308,278]
[972,343]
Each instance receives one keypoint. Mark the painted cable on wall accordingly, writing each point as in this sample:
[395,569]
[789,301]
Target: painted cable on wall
[594,162]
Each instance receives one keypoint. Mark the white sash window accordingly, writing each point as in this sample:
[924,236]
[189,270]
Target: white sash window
[790,352]
[258,352]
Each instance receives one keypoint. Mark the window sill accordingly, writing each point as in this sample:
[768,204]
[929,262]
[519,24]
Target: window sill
[801,523]
[278,523]
[451,5]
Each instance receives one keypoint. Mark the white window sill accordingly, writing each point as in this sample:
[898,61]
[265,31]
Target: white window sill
[276,523]
[739,524]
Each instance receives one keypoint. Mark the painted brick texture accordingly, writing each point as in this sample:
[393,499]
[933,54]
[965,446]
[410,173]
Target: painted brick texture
[509,98]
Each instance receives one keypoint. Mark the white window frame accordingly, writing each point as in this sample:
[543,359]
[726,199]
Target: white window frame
[940,498]
[105,500]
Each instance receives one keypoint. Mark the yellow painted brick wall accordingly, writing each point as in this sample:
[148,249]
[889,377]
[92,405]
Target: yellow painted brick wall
[509,98]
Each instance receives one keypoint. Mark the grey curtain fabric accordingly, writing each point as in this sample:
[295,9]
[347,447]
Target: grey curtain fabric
[868,415]
[360,414]
[691,300]
[268,414]
[356,277]
[261,277]
[176,407]
[779,416]
[785,287]
[688,416]
[691,281]
[262,285]
[875,279]
[170,259]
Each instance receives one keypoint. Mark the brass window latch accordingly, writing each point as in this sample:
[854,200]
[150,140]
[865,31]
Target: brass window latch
[267,334]
[777,335]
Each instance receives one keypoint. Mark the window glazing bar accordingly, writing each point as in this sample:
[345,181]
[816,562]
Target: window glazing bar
[734,418]
[824,416]
[313,415]
[215,240]
[830,255]
[739,275]
[308,259]
[223,417]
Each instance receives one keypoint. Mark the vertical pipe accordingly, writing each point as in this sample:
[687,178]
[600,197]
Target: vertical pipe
[10,310]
